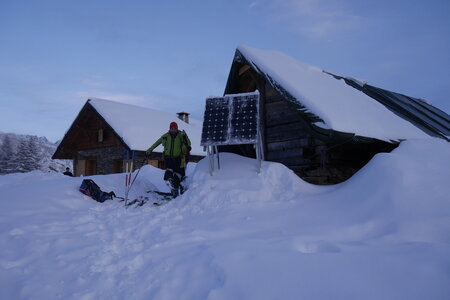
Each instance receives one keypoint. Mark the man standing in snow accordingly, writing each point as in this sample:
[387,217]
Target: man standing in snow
[68,173]
[176,145]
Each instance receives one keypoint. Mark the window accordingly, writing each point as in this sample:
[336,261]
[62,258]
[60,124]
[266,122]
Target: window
[100,135]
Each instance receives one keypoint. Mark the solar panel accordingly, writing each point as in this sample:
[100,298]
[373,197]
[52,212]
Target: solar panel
[215,121]
[244,120]
[231,120]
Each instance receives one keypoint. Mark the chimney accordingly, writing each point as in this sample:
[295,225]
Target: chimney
[183,116]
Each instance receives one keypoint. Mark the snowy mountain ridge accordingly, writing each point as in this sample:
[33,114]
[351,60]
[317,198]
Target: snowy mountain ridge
[25,153]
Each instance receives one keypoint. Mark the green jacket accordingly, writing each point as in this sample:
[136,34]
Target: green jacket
[174,146]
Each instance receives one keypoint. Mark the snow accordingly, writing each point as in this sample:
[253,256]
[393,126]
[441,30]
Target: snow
[383,234]
[342,107]
[140,127]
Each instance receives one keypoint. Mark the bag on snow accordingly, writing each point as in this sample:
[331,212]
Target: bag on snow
[91,189]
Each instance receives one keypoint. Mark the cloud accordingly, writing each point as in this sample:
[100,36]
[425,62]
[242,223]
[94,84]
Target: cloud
[94,81]
[253,4]
[315,18]
[150,101]
[124,98]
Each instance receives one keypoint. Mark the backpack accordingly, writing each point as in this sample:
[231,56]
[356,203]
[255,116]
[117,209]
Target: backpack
[91,189]
[188,148]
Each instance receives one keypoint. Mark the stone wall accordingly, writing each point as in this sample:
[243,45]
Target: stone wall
[106,158]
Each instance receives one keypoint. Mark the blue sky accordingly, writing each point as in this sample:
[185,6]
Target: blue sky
[171,55]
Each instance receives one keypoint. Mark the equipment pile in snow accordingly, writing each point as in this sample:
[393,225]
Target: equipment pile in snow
[91,189]
[158,198]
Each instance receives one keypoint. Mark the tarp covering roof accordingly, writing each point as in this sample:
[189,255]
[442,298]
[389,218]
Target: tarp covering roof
[344,107]
[140,127]
[419,112]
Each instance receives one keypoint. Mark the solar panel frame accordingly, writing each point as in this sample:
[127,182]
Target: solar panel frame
[231,120]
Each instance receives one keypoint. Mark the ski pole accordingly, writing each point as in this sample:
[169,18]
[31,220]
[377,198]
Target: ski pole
[143,163]
[126,178]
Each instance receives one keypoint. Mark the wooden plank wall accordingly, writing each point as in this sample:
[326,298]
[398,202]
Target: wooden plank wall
[86,135]
[288,138]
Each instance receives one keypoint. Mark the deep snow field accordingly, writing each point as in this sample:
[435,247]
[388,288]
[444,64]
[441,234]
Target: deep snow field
[383,234]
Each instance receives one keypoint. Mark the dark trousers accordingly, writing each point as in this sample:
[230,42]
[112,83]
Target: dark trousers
[174,172]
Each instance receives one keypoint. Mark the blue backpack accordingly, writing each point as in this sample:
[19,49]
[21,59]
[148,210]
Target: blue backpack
[91,189]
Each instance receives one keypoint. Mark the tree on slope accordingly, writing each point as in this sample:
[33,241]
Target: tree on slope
[26,158]
[6,155]
[34,154]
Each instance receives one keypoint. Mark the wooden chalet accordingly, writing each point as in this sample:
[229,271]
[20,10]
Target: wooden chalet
[105,132]
[321,141]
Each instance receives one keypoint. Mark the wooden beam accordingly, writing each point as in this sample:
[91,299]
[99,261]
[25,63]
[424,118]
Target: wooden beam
[243,69]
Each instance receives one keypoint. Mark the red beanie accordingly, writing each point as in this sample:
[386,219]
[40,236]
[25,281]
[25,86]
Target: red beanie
[173,125]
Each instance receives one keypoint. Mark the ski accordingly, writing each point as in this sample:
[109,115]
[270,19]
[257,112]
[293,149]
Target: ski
[142,200]
[159,193]
[158,198]
[162,201]
[131,202]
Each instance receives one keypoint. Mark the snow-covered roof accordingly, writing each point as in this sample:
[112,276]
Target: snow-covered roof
[140,127]
[339,106]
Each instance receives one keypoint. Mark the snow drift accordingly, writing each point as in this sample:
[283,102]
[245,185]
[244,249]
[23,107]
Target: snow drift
[383,234]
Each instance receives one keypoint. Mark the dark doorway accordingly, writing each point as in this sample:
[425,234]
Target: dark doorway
[118,166]
[91,167]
